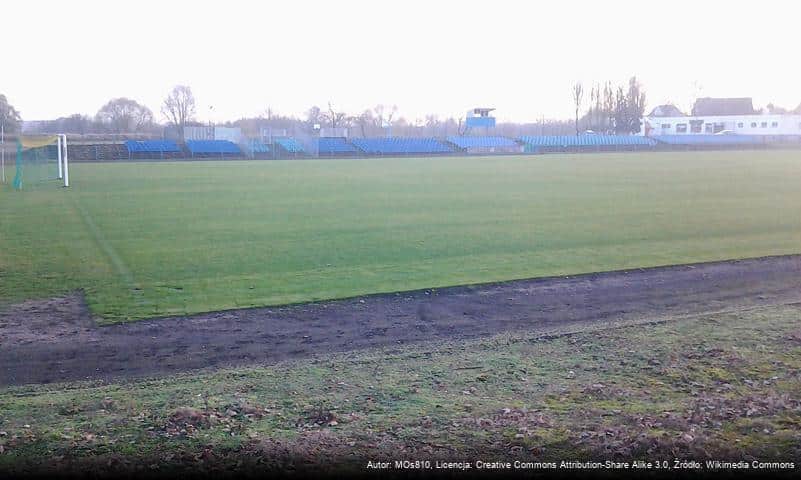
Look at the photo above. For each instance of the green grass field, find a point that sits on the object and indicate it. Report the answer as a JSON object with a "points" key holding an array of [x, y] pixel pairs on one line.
{"points": [[720, 386], [149, 239]]}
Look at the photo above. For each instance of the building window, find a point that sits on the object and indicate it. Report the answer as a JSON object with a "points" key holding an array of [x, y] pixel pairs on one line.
{"points": [[709, 128], [696, 126], [774, 125], [753, 124], [682, 127], [740, 125], [764, 125], [665, 126]]}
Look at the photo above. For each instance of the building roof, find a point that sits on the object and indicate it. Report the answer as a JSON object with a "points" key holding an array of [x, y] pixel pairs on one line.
{"points": [[667, 110], [723, 106], [480, 111]]}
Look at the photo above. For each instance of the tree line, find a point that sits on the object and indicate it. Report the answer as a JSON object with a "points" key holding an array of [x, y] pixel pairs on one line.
{"points": [[612, 109], [606, 108], [117, 116]]}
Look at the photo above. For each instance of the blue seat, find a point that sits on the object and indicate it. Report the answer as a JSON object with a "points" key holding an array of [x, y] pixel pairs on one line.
{"points": [[401, 145], [290, 145], [259, 147], [334, 145], [152, 146], [586, 141], [206, 147], [482, 142]]}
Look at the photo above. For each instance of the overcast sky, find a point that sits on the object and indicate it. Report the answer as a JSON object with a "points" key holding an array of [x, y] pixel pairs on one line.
{"points": [[431, 56]]}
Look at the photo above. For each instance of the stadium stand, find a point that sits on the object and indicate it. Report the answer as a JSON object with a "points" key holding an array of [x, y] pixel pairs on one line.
{"points": [[485, 144], [400, 146], [153, 149], [256, 149], [293, 147], [259, 147], [99, 152], [466, 142], [289, 145], [213, 148], [565, 143], [335, 146]]}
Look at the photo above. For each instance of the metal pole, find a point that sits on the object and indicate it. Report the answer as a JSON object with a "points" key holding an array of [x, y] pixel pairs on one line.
{"points": [[60, 169], [66, 163], [3, 147]]}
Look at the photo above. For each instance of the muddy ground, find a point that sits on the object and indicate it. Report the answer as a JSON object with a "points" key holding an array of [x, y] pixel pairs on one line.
{"points": [[56, 340]]}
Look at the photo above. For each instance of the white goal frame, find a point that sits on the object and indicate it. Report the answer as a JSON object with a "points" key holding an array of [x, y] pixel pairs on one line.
{"points": [[63, 158], [63, 163]]}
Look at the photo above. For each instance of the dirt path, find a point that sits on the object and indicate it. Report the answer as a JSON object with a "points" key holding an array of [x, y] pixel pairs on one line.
{"points": [[55, 340]]}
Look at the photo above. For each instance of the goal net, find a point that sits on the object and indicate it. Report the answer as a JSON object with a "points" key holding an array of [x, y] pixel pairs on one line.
{"points": [[40, 160]]}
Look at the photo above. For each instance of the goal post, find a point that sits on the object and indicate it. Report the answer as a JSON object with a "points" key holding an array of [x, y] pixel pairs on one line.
{"points": [[41, 159]]}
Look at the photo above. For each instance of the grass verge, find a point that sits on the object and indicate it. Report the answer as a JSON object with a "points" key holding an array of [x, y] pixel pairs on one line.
{"points": [[723, 386]]}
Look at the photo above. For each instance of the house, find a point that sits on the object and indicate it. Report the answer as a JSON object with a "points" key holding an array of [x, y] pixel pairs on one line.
{"points": [[720, 115]]}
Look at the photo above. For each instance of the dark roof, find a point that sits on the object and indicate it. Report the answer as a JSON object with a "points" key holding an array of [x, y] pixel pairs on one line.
{"points": [[723, 106], [667, 110]]}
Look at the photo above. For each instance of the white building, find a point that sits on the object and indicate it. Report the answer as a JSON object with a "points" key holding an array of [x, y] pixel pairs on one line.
{"points": [[716, 115], [770, 124], [232, 134]]}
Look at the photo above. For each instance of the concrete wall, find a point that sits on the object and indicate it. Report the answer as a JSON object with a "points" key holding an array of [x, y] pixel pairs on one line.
{"points": [[740, 124]]}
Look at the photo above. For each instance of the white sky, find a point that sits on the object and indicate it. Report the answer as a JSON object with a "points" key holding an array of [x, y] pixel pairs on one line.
{"points": [[430, 56]]}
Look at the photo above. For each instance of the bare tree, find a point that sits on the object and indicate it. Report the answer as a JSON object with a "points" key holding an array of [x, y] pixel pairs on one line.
{"points": [[75, 123], [179, 107], [775, 109], [365, 121], [334, 118], [123, 115], [384, 115], [432, 123], [578, 95], [635, 103], [313, 116], [9, 116], [461, 129]]}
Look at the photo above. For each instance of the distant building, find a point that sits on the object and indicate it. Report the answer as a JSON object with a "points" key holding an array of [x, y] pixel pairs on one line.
{"points": [[232, 134], [667, 110], [33, 126], [719, 115], [723, 106], [330, 132]]}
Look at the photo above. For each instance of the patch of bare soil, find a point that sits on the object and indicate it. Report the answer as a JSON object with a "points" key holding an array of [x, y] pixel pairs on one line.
{"points": [[55, 340]]}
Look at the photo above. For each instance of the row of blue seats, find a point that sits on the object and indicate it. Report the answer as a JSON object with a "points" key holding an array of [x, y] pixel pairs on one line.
{"points": [[333, 145], [565, 141], [151, 146], [401, 145], [212, 146], [256, 146], [404, 145], [482, 142], [290, 145]]}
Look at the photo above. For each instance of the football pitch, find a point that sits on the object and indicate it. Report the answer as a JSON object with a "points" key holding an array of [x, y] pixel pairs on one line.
{"points": [[153, 239]]}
